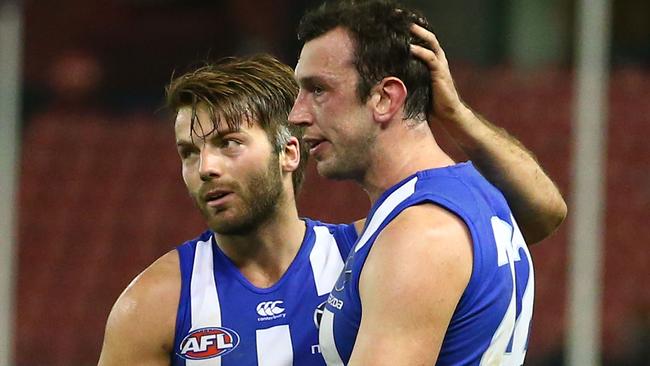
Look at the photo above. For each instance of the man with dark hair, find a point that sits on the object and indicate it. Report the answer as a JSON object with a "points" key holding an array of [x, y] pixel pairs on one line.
{"points": [[440, 273], [251, 289], [381, 49]]}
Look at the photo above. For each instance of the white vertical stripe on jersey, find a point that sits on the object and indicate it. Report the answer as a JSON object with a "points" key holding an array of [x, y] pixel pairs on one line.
{"points": [[274, 346], [326, 340], [386, 207], [206, 311], [326, 261]]}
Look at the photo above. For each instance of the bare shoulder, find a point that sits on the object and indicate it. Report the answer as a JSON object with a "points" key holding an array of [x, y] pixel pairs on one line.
{"points": [[422, 241], [427, 227], [140, 327], [160, 281], [414, 276]]}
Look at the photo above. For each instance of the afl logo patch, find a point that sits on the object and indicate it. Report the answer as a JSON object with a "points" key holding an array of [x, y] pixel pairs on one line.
{"points": [[205, 343]]}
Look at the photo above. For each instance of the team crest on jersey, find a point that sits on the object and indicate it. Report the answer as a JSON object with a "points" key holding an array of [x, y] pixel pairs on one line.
{"points": [[205, 343]]}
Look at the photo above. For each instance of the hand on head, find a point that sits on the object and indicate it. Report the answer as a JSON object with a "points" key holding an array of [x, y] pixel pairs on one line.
{"points": [[446, 101]]}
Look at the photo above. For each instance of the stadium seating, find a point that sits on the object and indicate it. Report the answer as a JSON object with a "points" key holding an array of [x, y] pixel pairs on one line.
{"points": [[102, 198]]}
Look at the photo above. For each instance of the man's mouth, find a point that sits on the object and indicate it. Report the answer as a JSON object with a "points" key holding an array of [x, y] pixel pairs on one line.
{"points": [[217, 197], [315, 144]]}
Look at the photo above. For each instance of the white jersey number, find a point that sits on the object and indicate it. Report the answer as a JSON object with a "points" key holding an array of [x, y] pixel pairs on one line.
{"points": [[510, 244]]}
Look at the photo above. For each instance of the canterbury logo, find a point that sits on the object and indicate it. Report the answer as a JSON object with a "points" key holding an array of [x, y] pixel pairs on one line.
{"points": [[270, 308]]}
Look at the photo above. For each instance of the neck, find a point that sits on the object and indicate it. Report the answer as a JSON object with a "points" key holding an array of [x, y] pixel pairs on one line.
{"points": [[264, 253], [401, 150]]}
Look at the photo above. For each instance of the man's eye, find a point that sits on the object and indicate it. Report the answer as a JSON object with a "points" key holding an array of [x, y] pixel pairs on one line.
{"points": [[186, 152], [230, 144], [318, 90]]}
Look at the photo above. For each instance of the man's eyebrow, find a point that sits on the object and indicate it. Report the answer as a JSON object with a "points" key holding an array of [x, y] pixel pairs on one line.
{"points": [[306, 80], [220, 134], [312, 80], [183, 142]]}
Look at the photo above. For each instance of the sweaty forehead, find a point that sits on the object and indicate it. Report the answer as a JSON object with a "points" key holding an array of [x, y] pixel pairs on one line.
{"points": [[329, 55]]}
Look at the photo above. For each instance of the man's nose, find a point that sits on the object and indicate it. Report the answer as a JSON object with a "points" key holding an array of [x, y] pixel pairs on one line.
{"points": [[300, 114], [210, 164]]}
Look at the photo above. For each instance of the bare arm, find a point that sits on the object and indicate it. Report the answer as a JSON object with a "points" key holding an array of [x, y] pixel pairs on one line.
{"points": [[534, 199], [410, 286], [140, 327]]}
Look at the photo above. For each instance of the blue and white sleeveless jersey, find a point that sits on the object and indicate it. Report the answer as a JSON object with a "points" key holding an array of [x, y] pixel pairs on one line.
{"points": [[491, 322], [224, 320]]}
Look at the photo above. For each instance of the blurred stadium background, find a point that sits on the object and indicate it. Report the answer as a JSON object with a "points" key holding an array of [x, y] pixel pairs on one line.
{"points": [[91, 190]]}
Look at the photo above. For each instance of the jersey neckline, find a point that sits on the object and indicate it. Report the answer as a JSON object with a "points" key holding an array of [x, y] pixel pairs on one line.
{"points": [[221, 259], [427, 173]]}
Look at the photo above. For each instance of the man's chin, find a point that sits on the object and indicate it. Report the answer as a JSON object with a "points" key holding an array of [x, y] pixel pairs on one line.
{"points": [[332, 171], [230, 228], [230, 223]]}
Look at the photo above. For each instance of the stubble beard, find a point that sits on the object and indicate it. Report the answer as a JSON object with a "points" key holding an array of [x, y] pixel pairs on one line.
{"points": [[350, 164], [258, 200]]}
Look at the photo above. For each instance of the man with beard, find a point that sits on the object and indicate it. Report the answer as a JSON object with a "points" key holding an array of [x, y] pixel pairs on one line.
{"points": [[249, 290], [440, 273]]}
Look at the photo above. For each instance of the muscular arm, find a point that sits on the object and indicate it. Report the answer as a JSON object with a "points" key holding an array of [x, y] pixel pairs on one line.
{"points": [[534, 199], [140, 327], [410, 286]]}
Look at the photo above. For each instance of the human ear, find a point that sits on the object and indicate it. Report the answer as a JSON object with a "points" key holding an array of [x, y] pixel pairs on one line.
{"points": [[290, 156], [387, 99]]}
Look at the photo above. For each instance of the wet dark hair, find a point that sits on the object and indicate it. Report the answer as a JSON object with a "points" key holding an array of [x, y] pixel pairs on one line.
{"points": [[380, 30], [235, 90]]}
